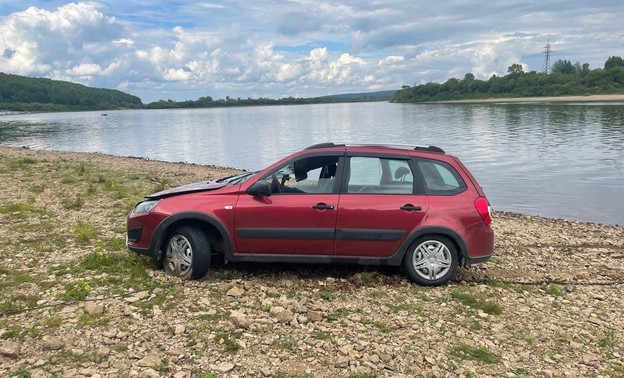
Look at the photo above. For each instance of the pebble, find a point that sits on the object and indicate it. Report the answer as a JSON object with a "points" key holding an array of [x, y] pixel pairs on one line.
{"points": [[224, 367], [93, 308], [10, 349], [285, 316], [150, 360], [53, 343], [235, 292]]}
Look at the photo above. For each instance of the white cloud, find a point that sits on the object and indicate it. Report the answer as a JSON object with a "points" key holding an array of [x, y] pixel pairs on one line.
{"points": [[124, 41], [85, 69], [391, 59], [177, 74]]}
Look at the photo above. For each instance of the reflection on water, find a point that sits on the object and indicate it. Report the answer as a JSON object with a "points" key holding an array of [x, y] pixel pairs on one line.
{"points": [[551, 159]]}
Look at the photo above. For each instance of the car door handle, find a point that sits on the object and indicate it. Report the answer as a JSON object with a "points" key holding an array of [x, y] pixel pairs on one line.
{"points": [[323, 206], [410, 207]]}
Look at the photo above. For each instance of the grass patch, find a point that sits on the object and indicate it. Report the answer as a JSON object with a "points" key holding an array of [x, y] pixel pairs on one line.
{"points": [[53, 322], [37, 189], [67, 356], [68, 180], [464, 351], [87, 320], [290, 343], [75, 291], [326, 294], [220, 314], [320, 335], [369, 278], [554, 290], [336, 314], [18, 302], [75, 203], [607, 340], [207, 375], [21, 372], [21, 207], [506, 286], [15, 278], [84, 232], [163, 365], [11, 332], [229, 340], [21, 163], [120, 347], [381, 327], [474, 301]]}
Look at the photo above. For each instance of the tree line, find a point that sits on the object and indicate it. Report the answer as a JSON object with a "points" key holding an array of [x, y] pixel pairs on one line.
{"points": [[19, 93], [38, 94], [565, 79], [208, 102]]}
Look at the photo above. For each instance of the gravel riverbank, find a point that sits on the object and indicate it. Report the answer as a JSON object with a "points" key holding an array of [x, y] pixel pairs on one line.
{"points": [[549, 303]]}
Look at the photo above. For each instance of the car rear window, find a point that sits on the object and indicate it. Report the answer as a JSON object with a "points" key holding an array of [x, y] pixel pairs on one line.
{"points": [[373, 175], [440, 178]]}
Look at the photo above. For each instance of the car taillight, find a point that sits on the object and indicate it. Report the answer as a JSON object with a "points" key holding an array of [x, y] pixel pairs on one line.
{"points": [[484, 209]]}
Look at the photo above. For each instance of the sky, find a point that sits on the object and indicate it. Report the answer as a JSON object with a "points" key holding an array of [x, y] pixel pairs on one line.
{"points": [[183, 50]]}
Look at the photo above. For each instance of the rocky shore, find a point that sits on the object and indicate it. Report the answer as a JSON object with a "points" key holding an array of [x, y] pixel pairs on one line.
{"points": [[75, 303]]}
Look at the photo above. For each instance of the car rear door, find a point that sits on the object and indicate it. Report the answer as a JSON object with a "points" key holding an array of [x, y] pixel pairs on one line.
{"points": [[379, 205]]}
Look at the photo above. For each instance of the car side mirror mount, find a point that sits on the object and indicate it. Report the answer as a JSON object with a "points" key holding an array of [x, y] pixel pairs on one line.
{"points": [[259, 189]]}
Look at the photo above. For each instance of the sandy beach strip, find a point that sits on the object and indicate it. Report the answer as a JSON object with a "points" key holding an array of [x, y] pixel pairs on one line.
{"points": [[590, 98]]}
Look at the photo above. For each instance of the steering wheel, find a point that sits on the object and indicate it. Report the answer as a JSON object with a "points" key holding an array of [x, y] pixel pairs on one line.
{"points": [[275, 184], [367, 189]]}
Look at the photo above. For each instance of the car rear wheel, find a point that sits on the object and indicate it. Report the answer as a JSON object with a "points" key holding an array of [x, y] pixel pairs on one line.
{"points": [[431, 260], [187, 253]]}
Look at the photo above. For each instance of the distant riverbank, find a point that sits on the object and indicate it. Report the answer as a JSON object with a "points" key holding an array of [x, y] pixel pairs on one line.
{"points": [[590, 98]]}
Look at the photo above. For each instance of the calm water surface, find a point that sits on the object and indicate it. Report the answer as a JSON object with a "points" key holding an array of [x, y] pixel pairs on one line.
{"points": [[557, 160]]}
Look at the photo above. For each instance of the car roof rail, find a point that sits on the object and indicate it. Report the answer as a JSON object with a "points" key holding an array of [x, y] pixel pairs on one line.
{"points": [[391, 145], [323, 145], [429, 148]]}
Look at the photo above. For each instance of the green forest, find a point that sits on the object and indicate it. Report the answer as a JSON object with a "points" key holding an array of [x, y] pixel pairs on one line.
{"points": [[21, 93], [564, 79]]}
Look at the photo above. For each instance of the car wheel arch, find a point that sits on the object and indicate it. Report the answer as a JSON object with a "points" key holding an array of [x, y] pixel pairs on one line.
{"points": [[211, 226], [455, 238]]}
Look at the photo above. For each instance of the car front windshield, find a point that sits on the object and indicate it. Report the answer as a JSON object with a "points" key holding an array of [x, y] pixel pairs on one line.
{"points": [[237, 179]]}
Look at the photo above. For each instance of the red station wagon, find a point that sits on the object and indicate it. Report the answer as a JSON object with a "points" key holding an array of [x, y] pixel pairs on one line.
{"points": [[330, 203]]}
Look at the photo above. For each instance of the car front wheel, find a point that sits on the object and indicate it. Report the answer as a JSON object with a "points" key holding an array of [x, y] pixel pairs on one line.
{"points": [[187, 253], [431, 260]]}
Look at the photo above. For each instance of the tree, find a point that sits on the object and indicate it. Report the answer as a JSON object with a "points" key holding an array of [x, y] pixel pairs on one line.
{"points": [[515, 70], [613, 61], [564, 67], [469, 77]]}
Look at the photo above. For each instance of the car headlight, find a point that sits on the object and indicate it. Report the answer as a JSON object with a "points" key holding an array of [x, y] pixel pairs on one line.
{"points": [[145, 207]]}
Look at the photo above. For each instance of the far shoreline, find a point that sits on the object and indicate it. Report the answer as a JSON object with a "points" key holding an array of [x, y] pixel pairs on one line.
{"points": [[589, 98]]}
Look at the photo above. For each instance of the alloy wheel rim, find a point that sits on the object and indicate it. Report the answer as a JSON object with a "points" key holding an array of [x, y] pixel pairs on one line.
{"points": [[432, 260], [179, 255]]}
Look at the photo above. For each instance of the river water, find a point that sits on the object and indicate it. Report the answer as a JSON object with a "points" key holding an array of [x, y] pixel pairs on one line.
{"points": [[551, 159]]}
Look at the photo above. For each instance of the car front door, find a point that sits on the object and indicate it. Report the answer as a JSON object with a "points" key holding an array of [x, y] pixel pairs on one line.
{"points": [[299, 216], [379, 206]]}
